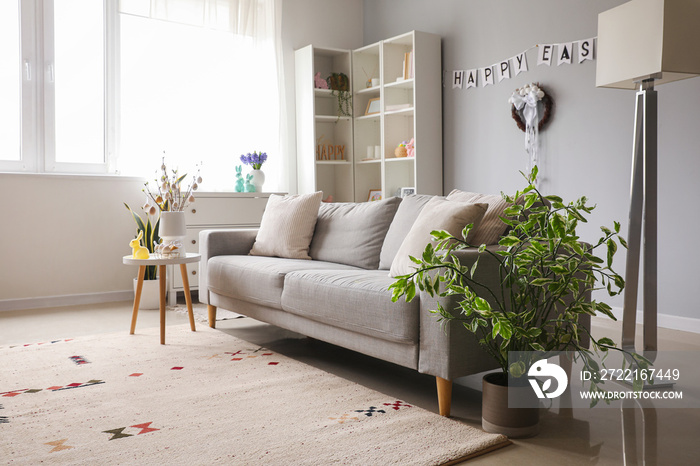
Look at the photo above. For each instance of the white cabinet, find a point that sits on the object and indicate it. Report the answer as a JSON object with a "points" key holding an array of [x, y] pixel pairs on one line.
{"points": [[397, 96], [215, 211], [324, 131]]}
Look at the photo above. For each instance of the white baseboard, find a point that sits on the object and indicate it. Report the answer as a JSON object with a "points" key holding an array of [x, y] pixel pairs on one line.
{"points": [[686, 324], [65, 300]]}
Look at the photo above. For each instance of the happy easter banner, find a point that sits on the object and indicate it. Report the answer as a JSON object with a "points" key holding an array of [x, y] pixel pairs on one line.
{"points": [[563, 53]]}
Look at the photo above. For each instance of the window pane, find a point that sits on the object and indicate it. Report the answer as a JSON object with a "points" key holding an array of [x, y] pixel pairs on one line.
{"points": [[10, 72], [196, 93], [79, 77]]}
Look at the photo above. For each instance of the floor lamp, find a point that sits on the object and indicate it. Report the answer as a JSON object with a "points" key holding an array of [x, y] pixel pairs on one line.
{"points": [[641, 44]]}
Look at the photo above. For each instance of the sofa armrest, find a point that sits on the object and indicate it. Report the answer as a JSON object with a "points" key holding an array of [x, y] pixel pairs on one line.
{"points": [[228, 242], [449, 350]]}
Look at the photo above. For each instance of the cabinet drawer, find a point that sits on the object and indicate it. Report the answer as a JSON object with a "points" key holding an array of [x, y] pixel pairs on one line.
{"points": [[225, 211], [191, 243]]}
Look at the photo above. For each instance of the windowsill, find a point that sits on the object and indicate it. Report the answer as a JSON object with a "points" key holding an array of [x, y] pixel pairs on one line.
{"points": [[76, 176]]}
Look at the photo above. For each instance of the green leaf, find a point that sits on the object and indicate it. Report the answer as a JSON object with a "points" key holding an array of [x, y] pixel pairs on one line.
{"points": [[410, 291], [508, 241]]}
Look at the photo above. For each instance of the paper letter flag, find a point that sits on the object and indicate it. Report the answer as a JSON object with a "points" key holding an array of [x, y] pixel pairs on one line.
{"points": [[486, 76], [544, 54], [503, 70], [565, 52], [470, 79], [585, 50], [520, 63], [457, 79]]}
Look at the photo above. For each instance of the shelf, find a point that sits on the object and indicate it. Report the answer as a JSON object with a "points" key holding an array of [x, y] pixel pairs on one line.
{"points": [[398, 159], [369, 90], [333, 162], [370, 161], [332, 118], [322, 92], [374, 116], [404, 111], [405, 84]]}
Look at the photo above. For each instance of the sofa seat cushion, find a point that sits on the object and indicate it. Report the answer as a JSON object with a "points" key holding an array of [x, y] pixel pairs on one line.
{"points": [[257, 279], [356, 300]]}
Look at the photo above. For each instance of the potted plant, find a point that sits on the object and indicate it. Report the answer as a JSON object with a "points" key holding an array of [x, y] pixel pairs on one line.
{"points": [[149, 230], [339, 83], [546, 277], [257, 176]]}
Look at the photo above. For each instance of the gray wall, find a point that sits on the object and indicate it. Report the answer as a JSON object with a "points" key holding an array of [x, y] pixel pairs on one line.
{"points": [[587, 147]]}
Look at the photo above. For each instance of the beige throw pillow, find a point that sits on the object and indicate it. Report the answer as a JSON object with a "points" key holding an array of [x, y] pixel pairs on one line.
{"points": [[491, 227], [438, 214], [287, 226]]}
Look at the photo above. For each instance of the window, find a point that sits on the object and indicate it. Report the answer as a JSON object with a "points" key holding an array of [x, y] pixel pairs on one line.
{"points": [[9, 82], [199, 94], [124, 81]]}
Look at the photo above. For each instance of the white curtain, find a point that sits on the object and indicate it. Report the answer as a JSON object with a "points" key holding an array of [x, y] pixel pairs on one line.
{"points": [[257, 25], [254, 18]]}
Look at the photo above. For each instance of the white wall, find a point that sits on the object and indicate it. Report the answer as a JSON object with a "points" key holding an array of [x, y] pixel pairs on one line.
{"points": [[327, 23], [65, 236], [586, 150]]}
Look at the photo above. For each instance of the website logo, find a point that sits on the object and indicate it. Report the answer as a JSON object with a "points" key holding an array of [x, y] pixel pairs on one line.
{"points": [[544, 369]]}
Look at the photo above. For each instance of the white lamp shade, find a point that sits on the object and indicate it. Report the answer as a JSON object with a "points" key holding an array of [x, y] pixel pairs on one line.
{"points": [[642, 38]]}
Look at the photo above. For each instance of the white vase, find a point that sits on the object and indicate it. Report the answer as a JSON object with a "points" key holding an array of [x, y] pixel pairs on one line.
{"points": [[150, 294], [173, 230], [258, 180]]}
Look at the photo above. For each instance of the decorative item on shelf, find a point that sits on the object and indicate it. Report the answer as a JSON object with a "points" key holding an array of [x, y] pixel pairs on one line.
{"points": [[138, 251], [527, 104], [319, 82], [400, 150], [256, 160], [373, 106], [240, 182], [403, 192], [539, 303], [330, 152], [370, 81], [250, 184], [411, 148], [339, 84], [374, 195]]}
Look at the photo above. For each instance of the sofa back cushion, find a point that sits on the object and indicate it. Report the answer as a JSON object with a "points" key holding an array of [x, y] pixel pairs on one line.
{"points": [[491, 227], [287, 226], [438, 214], [407, 213], [352, 234]]}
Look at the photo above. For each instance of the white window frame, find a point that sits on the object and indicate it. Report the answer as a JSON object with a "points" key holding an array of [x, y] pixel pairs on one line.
{"points": [[37, 144]]}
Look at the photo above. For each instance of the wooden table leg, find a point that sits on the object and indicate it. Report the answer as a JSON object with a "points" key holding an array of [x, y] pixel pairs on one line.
{"points": [[188, 297], [161, 279], [137, 297]]}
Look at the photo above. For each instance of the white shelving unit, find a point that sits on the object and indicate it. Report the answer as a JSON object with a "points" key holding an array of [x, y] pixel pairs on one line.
{"points": [[319, 123], [410, 106]]}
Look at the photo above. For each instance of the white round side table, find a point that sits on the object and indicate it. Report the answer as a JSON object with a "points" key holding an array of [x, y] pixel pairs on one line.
{"points": [[162, 263]]}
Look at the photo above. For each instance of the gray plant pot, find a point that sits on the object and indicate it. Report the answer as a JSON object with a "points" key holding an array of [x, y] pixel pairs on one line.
{"points": [[497, 417]]}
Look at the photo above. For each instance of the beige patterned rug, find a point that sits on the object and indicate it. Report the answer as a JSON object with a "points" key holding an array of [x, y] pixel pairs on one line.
{"points": [[205, 398]]}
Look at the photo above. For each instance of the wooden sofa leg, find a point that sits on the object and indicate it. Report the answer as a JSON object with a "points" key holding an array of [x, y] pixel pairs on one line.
{"points": [[444, 389], [211, 310]]}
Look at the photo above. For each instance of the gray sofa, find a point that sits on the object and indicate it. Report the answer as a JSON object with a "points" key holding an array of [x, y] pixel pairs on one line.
{"points": [[342, 296]]}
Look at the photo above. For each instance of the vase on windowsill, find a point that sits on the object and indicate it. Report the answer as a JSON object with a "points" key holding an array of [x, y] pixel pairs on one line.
{"points": [[258, 180]]}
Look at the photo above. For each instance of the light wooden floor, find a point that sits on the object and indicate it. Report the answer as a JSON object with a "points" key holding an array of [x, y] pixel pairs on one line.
{"points": [[584, 437]]}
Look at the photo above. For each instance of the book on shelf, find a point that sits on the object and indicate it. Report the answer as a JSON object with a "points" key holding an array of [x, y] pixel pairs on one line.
{"points": [[408, 66]]}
